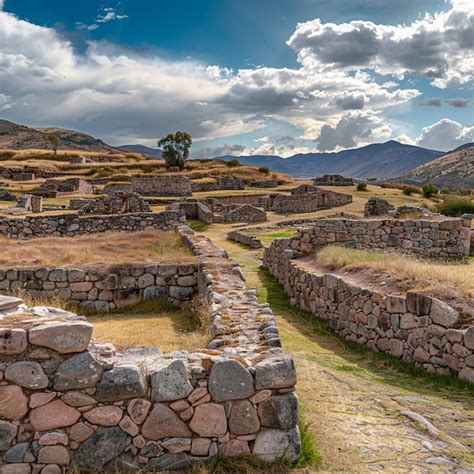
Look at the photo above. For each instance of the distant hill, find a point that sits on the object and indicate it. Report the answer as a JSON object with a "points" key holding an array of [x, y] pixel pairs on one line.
{"points": [[379, 160], [454, 170], [20, 137], [142, 149]]}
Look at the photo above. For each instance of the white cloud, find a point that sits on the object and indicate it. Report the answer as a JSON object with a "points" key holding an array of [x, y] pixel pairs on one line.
{"points": [[438, 46], [445, 135], [107, 14]]}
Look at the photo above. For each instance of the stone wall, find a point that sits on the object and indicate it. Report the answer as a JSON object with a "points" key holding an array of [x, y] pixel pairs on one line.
{"points": [[417, 328], [243, 238], [103, 287], [114, 188], [166, 185], [117, 203], [332, 180], [52, 188], [302, 203], [442, 237], [72, 402], [70, 225], [376, 206], [269, 183]]}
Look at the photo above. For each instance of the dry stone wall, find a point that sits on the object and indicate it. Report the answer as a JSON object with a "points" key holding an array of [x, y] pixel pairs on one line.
{"points": [[243, 238], [70, 225], [166, 185], [71, 402]]}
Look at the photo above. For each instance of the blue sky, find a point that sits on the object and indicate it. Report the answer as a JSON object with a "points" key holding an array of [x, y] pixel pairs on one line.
{"points": [[243, 76]]}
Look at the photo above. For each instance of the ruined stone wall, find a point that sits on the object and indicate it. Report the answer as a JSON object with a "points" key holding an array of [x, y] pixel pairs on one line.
{"points": [[166, 185], [443, 237], [71, 402], [269, 183], [282, 204], [243, 238], [103, 287], [417, 328], [55, 187], [112, 188], [118, 203], [333, 180], [70, 225]]}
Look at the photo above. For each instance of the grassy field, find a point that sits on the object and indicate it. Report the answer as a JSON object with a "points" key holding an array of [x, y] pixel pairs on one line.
{"points": [[114, 247]]}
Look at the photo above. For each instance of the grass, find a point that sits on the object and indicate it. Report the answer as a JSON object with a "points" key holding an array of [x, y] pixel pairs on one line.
{"points": [[152, 323], [148, 246], [197, 226], [425, 274]]}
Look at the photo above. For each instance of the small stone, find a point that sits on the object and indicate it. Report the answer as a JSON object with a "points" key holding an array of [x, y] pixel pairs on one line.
{"points": [[55, 414], [14, 403], [121, 383], [197, 394], [169, 381], [80, 432], [13, 341], [27, 374], [7, 434], [17, 468], [64, 338], [78, 399], [243, 418], [275, 372], [260, 396], [396, 347], [396, 304], [129, 426], [16, 453], [467, 374], [272, 444], [469, 338], [138, 410], [230, 380], [200, 446], [187, 414], [180, 405], [177, 445], [209, 420], [51, 469], [104, 416], [40, 399], [54, 455], [280, 411], [79, 371], [49, 439], [164, 423], [235, 447]]}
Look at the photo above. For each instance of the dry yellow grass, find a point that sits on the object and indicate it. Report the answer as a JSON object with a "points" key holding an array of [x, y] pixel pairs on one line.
{"points": [[114, 247], [166, 327]]}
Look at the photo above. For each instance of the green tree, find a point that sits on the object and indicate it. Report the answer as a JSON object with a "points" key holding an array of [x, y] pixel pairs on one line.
{"points": [[429, 190], [175, 148], [54, 140]]}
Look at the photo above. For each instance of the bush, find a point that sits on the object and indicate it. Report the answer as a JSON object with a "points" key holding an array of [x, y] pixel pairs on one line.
{"points": [[264, 170], [409, 190], [362, 187], [456, 207], [233, 163], [429, 190]]}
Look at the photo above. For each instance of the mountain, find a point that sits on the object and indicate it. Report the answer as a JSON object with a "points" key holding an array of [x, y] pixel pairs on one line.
{"points": [[379, 160], [142, 149], [454, 170], [20, 137]]}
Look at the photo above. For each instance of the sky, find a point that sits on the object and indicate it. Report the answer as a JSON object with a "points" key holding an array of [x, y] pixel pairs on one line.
{"points": [[243, 77]]}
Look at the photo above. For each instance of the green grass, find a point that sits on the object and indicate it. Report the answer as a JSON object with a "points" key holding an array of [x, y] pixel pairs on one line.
{"points": [[378, 366], [309, 455], [284, 234], [197, 226]]}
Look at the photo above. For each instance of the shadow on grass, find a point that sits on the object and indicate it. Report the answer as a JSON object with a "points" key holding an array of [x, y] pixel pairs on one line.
{"points": [[379, 366]]}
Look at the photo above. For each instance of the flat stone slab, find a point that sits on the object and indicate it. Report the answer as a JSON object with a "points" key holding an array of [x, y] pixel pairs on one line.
{"points": [[9, 302]]}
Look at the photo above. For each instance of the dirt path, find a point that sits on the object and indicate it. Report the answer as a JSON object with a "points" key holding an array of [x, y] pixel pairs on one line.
{"points": [[365, 415]]}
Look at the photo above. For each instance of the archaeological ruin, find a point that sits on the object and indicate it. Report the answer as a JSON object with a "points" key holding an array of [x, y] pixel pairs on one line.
{"points": [[165, 185], [333, 180]]}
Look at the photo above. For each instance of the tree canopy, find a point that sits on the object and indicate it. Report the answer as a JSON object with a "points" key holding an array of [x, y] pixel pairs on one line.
{"points": [[175, 148]]}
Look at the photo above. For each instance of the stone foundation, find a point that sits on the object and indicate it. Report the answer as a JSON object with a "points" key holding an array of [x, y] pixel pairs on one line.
{"points": [[242, 238], [166, 185], [333, 180], [52, 188], [117, 203]]}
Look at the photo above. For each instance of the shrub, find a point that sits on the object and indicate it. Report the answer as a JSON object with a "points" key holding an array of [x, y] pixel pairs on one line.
{"points": [[233, 163], [362, 187], [264, 170], [409, 190], [429, 190], [456, 207]]}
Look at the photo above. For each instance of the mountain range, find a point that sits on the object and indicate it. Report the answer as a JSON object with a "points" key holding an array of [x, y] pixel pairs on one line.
{"points": [[379, 160]]}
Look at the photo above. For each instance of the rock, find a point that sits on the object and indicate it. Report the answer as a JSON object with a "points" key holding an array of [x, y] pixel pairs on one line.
{"points": [[163, 422], [396, 347], [279, 411], [51, 469], [396, 304], [108, 415], [129, 426], [421, 355], [235, 447], [13, 341], [80, 432], [408, 321], [55, 414], [272, 444], [14, 403], [200, 446], [209, 420], [49, 439], [443, 314], [27, 374], [418, 304], [260, 396], [40, 399], [54, 455], [230, 380], [99, 449], [79, 371], [469, 338], [17, 468], [243, 418], [65, 338], [467, 374], [16, 453], [138, 410], [275, 372], [78, 399], [177, 445], [121, 383], [7, 434], [169, 381], [171, 462]]}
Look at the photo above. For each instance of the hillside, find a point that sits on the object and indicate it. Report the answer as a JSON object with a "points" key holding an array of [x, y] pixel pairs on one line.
{"points": [[456, 169], [379, 160], [141, 149], [20, 137]]}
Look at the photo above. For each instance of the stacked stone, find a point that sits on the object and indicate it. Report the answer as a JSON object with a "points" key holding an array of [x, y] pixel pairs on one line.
{"points": [[243, 238], [117, 203], [268, 183], [164, 185], [415, 327], [333, 180], [106, 287], [437, 237], [376, 206], [71, 225]]}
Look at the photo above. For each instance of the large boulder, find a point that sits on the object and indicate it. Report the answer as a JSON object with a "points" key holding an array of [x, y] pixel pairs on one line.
{"points": [[272, 444], [27, 374], [275, 372], [121, 383], [163, 422], [62, 337], [230, 380], [280, 411], [169, 381], [79, 371]]}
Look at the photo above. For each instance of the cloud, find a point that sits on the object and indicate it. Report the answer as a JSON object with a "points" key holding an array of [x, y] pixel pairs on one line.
{"points": [[438, 46], [211, 152], [435, 102], [445, 135], [106, 15]]}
